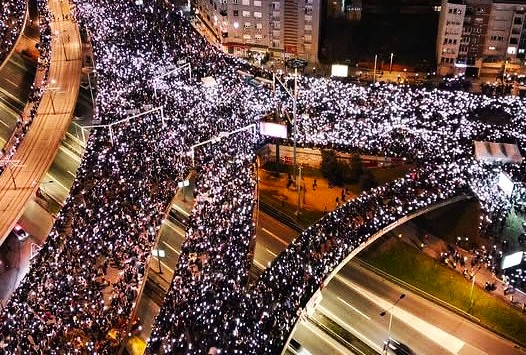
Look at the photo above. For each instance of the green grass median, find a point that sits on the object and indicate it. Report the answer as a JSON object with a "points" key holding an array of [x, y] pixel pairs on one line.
{"points": [[423, 272]]}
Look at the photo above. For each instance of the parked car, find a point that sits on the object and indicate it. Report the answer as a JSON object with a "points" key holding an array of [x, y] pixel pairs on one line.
{"points": [[20, 232], [393, 346]]}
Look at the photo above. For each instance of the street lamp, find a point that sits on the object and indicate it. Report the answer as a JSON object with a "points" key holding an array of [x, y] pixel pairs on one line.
{"points": [[383, 313], [44, 183], [391, 62], [374, 70], [293, 63], [182, 185], [53, 90], [159, 253], [58, 35]]}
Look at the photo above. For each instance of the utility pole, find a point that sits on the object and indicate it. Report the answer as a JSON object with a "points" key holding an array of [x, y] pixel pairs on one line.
{"points": [[298, 184]]}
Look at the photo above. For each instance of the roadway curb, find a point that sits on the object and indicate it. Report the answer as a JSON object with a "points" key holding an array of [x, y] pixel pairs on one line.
{"points": [[436, 300], [416, 290], [343, 341]]}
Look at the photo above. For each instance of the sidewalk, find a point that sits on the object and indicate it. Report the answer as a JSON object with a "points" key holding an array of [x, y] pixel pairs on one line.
{"points": [[319, 198], [462, 261]]}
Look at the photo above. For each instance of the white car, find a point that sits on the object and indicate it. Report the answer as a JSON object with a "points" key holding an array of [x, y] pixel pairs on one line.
{"points": [[20, 232]]}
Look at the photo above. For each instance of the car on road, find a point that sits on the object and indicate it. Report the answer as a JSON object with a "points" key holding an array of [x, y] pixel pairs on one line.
{"points": [[20, 232], [297, 348], [393, 346]]}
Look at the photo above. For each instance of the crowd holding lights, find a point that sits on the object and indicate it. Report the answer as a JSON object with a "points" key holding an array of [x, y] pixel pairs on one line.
{"points": [[213, 267], [84, 283], [12, 16]]}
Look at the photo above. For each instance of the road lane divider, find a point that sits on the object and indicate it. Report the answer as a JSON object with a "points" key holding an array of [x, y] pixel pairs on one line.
{"points": [[353, 308], [327, 313], [275, 236], [435, 334], [171, 248], [271, 252]]}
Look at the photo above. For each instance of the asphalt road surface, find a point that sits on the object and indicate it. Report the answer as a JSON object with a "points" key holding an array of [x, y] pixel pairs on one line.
{"points": [[17, 74], [19, 183], [353, 300]]}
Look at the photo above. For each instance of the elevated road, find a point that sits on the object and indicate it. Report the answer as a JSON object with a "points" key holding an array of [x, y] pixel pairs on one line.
{"points": [[21, 178]]}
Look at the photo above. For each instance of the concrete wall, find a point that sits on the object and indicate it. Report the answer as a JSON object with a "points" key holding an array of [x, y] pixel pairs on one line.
{"points": [[312, 157]]}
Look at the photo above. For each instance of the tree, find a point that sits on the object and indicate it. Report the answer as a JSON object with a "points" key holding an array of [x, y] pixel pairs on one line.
{"points": [[331, 168]]}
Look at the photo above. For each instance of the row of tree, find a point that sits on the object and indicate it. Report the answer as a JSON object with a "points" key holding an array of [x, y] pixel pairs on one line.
{"points": [[340, 172]]}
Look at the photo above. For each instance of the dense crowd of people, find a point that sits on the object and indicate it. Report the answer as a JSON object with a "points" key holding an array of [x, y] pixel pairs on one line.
{"points": [[12, 16], [286, 286], [83, 285], [213, 266]]}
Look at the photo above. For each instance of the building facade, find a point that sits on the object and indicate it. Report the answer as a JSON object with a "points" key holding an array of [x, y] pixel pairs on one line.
{"points": [[481, 37], [281, 28]]}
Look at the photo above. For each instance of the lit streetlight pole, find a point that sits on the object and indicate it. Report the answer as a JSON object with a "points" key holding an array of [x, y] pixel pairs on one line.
{"points": [[391, 63], [390, 310], [58, 35], [182, 185], [52, 92], [43, 185], [374, 70], [299, 191], [295, 64], [159, 253]]}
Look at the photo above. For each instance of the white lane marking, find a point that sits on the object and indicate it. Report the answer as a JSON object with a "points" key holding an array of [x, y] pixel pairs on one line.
{"points": [[163, 264], [5, 124], [260, 265], [171, 248], [327, 339], [180, 210], [275, 236], [10, 95], [354, 308], [70, 173], [11, 82], [271, 252], [346, 326], [68, 152], [437, 335], [174, 228]]}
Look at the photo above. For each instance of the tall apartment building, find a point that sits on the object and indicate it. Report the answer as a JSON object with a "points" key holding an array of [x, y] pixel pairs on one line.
{"points": [[283, 28], [480, 35], [507, 30]]}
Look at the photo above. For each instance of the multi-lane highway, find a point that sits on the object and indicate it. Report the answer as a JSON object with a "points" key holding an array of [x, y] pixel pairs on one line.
{"points": [[357, 296], [353, 301]]}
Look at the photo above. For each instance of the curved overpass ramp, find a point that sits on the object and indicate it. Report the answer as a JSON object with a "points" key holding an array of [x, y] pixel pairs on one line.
{"points": [[35, 154], [316, 256]]}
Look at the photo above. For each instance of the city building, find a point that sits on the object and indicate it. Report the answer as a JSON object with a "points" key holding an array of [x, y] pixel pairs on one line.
{"points": [[281, 28], [481, 37], [353, 10]]}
